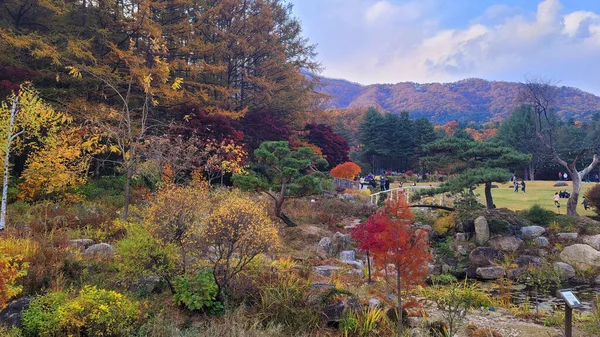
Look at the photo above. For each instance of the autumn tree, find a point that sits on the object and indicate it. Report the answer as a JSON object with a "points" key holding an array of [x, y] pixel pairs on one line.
{"points": [[470, 163], [282, 173], [397, 247], [333, 146], [238, 228], [541, 97], [347, 170]]}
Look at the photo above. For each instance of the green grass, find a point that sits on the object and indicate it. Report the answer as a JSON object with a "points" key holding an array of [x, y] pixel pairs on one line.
{"points": [[537, 192]]}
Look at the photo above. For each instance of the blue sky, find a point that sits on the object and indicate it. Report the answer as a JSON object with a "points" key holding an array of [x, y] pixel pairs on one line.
{"points": [[390, 41]]}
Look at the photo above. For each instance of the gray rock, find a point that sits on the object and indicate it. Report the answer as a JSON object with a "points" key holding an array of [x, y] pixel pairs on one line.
{"points": [[541, 242], [418, 332], [356, 264], [565, 270], [597, 280], [374, 303], [514, 273], [81, 243], [340, 242], [462, 250], [434, 269], [490, 273], [532, 232], [326, 270], [335, 312], [506, 243], [484, 256], [461, 237], [347, 255], [528, 260], [103, 249], [580, 256], [482, 230], [11, 315], [414, 322], [325, 245], [567, 236], [561, 184], [592, 240]]}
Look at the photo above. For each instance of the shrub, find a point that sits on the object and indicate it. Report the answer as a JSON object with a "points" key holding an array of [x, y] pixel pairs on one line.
{"points": [[91, 312], [197, 292], [443, 279], [12, 266], [347, 170], [593, 198], [443, 224], [539, 216], [499, 226]]}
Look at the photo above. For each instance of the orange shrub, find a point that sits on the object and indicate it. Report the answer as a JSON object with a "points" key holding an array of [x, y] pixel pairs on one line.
{"points": [[347, 170]]}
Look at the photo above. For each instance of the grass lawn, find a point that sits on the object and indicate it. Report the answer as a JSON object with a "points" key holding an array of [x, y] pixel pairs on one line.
{"points": [[537, 192]]}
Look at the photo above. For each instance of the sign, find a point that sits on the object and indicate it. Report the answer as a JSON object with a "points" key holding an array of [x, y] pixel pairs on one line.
{"points": [[570, 299]]}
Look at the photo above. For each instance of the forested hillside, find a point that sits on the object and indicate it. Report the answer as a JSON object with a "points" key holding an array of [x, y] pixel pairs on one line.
{"points": [[467, 100]]}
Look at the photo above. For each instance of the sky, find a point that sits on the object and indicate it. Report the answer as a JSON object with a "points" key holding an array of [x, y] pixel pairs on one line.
{"points": [[390, 41]]}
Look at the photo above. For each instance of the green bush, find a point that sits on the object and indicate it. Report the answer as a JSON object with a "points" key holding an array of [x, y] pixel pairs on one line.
{"points": [[443, 279], [90, 312], [499, 226], [197, 292], [593, 198], [539, 216]]}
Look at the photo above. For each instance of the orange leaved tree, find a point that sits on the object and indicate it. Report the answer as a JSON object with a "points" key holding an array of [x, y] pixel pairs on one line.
{"points": [[347, 170], [398, 248]]}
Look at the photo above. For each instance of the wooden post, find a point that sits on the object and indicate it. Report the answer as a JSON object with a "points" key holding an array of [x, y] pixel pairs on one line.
{"points": [[568, 321]]}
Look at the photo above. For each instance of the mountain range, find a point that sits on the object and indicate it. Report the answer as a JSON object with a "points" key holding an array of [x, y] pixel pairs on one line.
{"points": [[471, 99]]}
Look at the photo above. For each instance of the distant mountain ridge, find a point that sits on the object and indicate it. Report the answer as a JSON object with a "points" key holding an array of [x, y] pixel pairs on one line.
{"points": [[471, 99]]}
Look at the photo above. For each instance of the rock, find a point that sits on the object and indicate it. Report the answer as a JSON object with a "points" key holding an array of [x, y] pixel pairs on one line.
{"points": [[434, 269], [417, 332], [374, 303], [356, 264], [461, 237], [597, 280], [541, 242], [326, 270], [484, 256], [528, 260], [325, 245], [446, 268], [335, 312], [490, 273], [532, 232], [103, 249], [462, 250], [340, 242], [580, 256], [81, 243], [592, 240], [514, 273], [506, 243], [482, 230], [561, 184], [565, 270], [11, 315], [414, 322], [347, 255], [567, 236]]}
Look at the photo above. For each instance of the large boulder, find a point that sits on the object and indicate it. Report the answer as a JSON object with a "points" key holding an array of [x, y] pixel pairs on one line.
{"points": [[482, 230], [11, 315], [347, 255], [541, 242], [490, 273], [484, 256], [565, 270], [334, 313], [101, 249], [506, 243], [326, 270], [581, 256], [340, 242], [325, 246], [592, 240], [532, 232]]}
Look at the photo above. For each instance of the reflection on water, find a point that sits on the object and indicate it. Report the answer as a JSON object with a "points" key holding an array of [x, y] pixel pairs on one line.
{"points": [[547, 301]]}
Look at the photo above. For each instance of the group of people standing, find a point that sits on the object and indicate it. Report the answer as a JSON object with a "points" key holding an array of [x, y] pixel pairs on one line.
{"points": [[370, 180], [515, 181]]}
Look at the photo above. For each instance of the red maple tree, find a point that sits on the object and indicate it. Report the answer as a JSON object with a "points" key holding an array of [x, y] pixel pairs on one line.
{"points": [[347, 170]]}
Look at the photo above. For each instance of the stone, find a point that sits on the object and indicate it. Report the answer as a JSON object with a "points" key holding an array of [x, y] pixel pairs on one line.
{"points": [[482, 230], [325, 245], [484, 256], [81, 243], [103, 249], [567, 236], [462, 250], [11, 315], [490, 273], [414, 322], [347, 255], [592, 240], [514, 273], [418, 332], [532, 232], [597, 280], [356, 264], [528, 260], [340, 242], [561, 184], [326, 270], [461, 237], [541, 242], [581, 256], [334, 313], [565, 270], [507, 244], [374, 303], [434, 269]]}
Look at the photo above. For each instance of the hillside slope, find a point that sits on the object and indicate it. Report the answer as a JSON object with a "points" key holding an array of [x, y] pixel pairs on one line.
{"points": [[470, 99]]}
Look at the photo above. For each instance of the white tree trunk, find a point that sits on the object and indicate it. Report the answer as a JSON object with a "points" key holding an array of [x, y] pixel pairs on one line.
{"points": [[9, 138], [577, 178]]}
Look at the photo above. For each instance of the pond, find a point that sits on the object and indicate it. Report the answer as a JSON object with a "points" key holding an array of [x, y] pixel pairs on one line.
{"points": [[548, 301]]}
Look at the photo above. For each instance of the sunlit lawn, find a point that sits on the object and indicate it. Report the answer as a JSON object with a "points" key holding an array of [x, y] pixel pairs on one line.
{"points": [[537, 192]]}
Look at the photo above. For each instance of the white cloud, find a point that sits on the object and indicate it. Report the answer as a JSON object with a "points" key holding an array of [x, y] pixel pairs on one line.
{"points": [[395, 40]]}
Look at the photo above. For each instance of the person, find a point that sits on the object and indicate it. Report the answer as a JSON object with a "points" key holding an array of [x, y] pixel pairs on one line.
{"points": [[523, 186], [556, 203], [565, 176], [362, 183], [387, 183], [585, 204], [560, 176], [382, 183], [516, 183]]}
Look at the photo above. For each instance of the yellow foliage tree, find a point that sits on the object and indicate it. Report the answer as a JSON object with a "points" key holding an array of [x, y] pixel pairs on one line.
{"points": [[13, 253]]}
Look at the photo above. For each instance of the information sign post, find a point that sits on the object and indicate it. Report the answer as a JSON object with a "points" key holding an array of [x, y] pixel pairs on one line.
{"points": [[571, 302]]}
